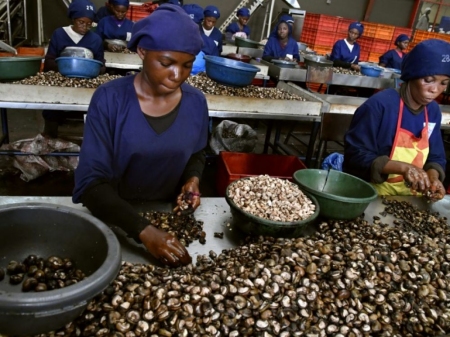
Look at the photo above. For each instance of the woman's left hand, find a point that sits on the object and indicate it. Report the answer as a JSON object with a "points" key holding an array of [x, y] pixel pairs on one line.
{"points": [[436, 191], [191, 187]]}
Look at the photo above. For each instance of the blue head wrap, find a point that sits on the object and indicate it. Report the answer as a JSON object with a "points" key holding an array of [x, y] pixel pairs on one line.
{"points": [[174, 2], [428, 58], [401, 38], [280, 22], [182, 35], [358, 26], [243, 12], [125, 3], [211, 11], [195, 12], [286, 18], [81, 9]]}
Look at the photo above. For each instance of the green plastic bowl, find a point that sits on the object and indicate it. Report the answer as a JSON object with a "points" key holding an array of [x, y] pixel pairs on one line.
{"points": [[253, 225], [247, 43], [19, 67], [340, 196]]}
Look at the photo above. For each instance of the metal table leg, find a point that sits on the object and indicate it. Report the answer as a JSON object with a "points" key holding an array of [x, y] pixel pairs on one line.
{"points": [[268, 134], [5, 130], [312, 142]]}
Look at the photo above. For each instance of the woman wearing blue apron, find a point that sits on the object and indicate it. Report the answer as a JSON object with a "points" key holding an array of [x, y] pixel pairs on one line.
{"points": [[394, 140]]}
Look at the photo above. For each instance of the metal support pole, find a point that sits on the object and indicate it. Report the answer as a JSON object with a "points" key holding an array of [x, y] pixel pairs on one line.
{"points": [[40, 23], [8, 13], [5, 131], [269, 29], [25, 18]]}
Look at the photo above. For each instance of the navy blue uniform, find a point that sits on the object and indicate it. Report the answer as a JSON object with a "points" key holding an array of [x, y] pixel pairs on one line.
{"points": [[101, 13], [274, 49], [341, 52], [110, 28], [216, 36], [234, 28], [391, 59]]}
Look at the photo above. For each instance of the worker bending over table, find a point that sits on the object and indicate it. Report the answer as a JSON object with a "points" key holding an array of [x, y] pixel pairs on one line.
{"points": [[211, 14], [283, 46], [239, 28], [346, 52], [394, 140], [393, 58], [145, 134]]}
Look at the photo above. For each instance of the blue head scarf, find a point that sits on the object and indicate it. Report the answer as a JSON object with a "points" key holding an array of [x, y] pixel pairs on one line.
{"points": [[211, 12], [401, 38], [81, 9], [280, 22], [243, 12], [286, 18], [174, 2], [428, 58], [182, 35], [358, 26], [195, 12], [125, 3]]}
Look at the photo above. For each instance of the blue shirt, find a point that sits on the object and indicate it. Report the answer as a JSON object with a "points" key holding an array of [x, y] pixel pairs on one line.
{"points": [[120, 147], [273, 48], [60, 40], [216, 36], [234, 28], [341, 52], [110, 28], [101, 13], [390, 59], [373, 128], [209, 46]]}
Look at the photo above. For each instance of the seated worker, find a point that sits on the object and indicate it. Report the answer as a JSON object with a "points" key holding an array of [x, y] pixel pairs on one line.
{"points": [[394, 57], [116, 26], [209, 47], [239, 28], [145, 134], [394, 140], [346, 52], [82, 14], [211, 14], [286, 18], [282, 47]]}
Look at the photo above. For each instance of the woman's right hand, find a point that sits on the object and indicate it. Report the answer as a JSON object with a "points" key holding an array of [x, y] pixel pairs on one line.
{"points": [[164, 247], [355, 67], [114, 48], [416, 178]]}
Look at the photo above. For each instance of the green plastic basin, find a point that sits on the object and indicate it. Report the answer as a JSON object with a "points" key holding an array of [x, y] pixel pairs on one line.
{"points": [[19, 67], [247, 43], [253, 225], [340, 195]]}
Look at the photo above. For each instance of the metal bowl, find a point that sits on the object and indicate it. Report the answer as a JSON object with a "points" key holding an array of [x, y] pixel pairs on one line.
{"points": [[117, 42], [340, 195], [284, 63], [17, 68], [241, 42], [239, 57], [80, 52], [302, 46], [46, 230], [230, 72], [253, 225], [317, 61], [78, 67]]}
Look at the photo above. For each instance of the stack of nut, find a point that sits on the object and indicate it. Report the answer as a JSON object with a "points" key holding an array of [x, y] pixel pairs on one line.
{"points": [[271, 198], [55, 79]]}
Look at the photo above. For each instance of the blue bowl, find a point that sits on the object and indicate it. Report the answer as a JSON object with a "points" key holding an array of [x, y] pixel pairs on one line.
{"points": [[78, 67], [230, 72], [371, 71]]}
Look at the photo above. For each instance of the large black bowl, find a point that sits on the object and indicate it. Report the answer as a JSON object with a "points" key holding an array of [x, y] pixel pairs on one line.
{"points": [[46, 230]]}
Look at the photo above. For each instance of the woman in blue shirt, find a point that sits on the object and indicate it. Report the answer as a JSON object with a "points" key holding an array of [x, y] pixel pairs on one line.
{"points": [[78, 34], [346, 52], [211, 14], [116, 26], [394, 57], [282, 47], [145, 134], [394, 140], [239, 28]]}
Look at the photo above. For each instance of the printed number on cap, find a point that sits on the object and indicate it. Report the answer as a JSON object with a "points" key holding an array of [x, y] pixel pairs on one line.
{"points": [[89, 8], [446, 58]]}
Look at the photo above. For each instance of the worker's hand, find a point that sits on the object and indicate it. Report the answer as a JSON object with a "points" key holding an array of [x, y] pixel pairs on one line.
{"points": [[192, 191], [355, 67], [164, 247], [417, 179], [436, 191], [114, 48]]}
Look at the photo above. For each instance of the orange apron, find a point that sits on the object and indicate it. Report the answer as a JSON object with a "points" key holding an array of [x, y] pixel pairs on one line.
{"points": [[409, 149]]}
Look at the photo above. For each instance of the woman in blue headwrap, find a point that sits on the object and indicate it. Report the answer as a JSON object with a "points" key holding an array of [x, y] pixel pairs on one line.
{"points": [[78, 34], [394, 140], [284, 18], [145, 134], [211, 14], [116, 26], [282, 47], [346, 52], [239, 28], [394, 57]]}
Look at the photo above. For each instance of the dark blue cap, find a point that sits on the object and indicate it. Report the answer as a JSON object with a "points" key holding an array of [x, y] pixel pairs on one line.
{"points": [[125, 3], [401, 38], [428, 58], [286, 18], [195, 12], [358, 26], [81, 9], [243, 12], [182, 34], [211, 11], [174, 2]]}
